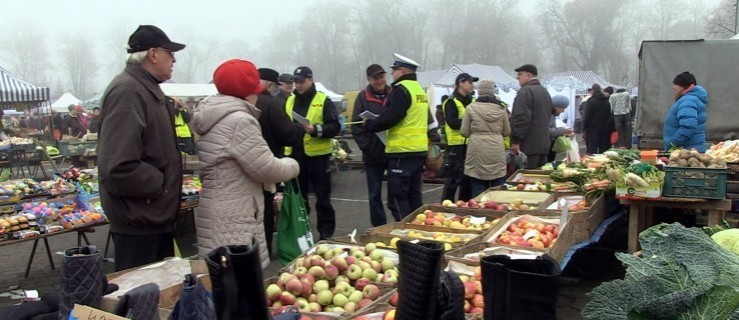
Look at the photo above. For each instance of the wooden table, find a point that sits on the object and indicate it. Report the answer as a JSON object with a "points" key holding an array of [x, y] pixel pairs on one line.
{"points": [[641, 212], [81, 235]]}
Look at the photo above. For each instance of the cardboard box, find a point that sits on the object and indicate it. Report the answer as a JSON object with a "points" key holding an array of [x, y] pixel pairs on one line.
{"points": [[556, 251], [654, 190], [169, 293], [586, 222], [470, 255], [81, 312]]}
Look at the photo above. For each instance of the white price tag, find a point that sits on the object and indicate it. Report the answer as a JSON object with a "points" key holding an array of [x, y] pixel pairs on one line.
{"points": [[477, 220], [530, 234]]}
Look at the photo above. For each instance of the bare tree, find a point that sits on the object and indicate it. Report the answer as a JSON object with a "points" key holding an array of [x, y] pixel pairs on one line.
{"points": [[78, 60], [721, 21], [26, 51]]}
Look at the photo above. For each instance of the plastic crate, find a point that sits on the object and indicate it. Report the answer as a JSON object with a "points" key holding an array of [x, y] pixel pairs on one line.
{"points": [[733, 168], [703, 183], [70, 149], [23, 147]]}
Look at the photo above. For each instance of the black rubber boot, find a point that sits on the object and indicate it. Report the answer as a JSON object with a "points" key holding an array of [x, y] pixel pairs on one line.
{"points": [[418, 283], [518, 289], [82, 279], [236, 277]]}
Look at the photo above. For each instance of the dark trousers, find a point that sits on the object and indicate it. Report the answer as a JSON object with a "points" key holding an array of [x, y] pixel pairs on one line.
{"points": [[137, 250], [455, 178], [269, 218], [315, 175], [535, 161], [478, 186], [404, 185], [374, 174], [598, 142], [623, 127]]}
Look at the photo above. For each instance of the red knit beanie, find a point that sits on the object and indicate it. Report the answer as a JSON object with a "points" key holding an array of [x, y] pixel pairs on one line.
{"points": [[238, 78]]}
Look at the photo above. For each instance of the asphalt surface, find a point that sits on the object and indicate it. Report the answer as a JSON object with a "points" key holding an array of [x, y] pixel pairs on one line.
{"points": [[349, 198]]}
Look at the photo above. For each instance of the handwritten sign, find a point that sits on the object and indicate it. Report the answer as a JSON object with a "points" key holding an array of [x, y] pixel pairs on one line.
{"points": [[81, 312]]}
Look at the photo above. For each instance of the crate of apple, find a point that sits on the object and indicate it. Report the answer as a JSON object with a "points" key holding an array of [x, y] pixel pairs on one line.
{"points": [[473, 303], [449, 220], [529, 234], [345, 283], [516, 204]]}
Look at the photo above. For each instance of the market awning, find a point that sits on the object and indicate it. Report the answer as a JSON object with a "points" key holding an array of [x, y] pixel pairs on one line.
{"points": [[15, 90]]}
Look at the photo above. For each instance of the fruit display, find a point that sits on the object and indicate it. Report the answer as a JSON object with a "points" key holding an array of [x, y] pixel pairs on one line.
{"points": [[450, 220], [573, 203], [335, 278], [75, 174], [471, 277], [191, 186], [725, 150], [451, 238], [515, 204], [695, 159], [58, 186], [63, 212], [19, 189], [527, 231]]}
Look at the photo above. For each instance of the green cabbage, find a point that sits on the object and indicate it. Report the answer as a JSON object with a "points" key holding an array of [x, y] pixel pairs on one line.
{"points": [[728, 239], [682, 274]]}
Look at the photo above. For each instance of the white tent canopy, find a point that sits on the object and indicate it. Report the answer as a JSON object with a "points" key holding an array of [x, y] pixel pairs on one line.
{"points": [[331, 95], [62, 104]]}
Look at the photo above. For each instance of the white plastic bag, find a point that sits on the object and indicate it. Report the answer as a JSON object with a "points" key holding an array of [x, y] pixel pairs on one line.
{"points": [[573, 155]]}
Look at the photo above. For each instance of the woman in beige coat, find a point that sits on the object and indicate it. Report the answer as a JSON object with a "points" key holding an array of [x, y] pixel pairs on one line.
{"points": [[485, 123], [235, 162]]}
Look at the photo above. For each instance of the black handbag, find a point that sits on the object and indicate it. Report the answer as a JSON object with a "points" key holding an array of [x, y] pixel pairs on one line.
{"points": [[195, 302]]}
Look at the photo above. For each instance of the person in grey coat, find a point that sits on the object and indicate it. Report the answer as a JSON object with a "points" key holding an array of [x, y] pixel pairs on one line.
{"points": [[530, 117]]}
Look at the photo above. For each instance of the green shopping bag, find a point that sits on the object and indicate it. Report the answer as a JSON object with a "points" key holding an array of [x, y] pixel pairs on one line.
{"points": [[293, 228], [561, 144]]}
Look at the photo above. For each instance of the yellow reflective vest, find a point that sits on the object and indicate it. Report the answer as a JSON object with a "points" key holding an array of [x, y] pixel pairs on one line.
{"points": [[311, 145], [410, 134], [180, 127], [453, 137]]}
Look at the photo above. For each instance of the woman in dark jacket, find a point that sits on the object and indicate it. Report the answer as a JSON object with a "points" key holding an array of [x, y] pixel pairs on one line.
{"points": [[598, 122]]}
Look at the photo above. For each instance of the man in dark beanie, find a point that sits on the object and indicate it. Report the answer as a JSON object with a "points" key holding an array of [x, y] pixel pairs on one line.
{"points": [[139, 165], [685, 124], [279, 132]]}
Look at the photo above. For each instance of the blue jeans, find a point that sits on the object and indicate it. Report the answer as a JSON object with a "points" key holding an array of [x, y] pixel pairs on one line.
{"points": [[478, 186], [374, 174]]}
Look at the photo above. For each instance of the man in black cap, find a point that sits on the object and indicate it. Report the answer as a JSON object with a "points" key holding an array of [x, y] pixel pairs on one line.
{"points": [[279, 132], [530, 118], [405, 118], [139, 165], [285, 82], [313, 153], [457, 144], [372, 99]]}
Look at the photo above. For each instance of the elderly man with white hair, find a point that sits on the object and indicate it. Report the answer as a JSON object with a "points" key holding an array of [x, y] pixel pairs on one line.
{"points": [[139, 165]]}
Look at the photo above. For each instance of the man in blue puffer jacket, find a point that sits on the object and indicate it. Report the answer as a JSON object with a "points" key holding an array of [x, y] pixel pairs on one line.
{"points": [[685, 125]]}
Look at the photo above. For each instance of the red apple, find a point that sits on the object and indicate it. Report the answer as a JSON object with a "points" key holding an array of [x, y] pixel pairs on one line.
{"points": [[371, 292], [295, 286], [478, 301], [393, 299], [469, 290], [490, 205], [361, 283]]}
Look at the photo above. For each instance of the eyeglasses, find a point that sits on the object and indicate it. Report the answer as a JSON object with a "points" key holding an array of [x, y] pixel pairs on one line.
{"points": [[166, 50]]}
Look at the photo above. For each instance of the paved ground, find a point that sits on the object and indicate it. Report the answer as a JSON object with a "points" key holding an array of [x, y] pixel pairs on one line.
{"points": [[349, 200]]}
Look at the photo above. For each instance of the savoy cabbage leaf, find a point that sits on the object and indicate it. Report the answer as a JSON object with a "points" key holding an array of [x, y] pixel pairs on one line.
{"points": [[681, 274]]}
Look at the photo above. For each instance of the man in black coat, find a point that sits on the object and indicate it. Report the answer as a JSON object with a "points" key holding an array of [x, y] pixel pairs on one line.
{"points": [[279, 132], [530, 118], [597, 122], [372, 99]]}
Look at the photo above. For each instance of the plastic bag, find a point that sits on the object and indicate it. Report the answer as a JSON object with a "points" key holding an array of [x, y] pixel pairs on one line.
{"points": [[514, 162], [573, 155], [293, 229], [561, 144], [434, 158]]}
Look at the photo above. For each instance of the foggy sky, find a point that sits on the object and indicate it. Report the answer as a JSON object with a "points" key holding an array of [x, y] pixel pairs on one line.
{"points": [[249, 21]]}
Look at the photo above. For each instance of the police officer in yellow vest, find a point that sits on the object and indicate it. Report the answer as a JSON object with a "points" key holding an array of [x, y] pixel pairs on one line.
{"points": [[457, 144], [182, 117], [405, 123], [313, 154]]}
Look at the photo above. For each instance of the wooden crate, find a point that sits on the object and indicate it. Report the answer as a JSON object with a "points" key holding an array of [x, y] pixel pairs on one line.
{"points": [[488, 215], [586, 222], [398, 230], [557, 251]]}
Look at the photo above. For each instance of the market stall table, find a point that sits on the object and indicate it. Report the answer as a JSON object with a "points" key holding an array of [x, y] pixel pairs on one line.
{"points": [[81, 235], [641, 212]]}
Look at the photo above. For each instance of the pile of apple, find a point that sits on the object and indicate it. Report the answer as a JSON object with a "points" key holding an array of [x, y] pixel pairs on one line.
{"points": [[333, 280], [517, 204], [438, 236], [527, 234], [430, 218], [528, 185], [474, 302]]}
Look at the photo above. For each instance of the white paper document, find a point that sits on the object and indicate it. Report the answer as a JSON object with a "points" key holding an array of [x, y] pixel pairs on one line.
{"points": [[300, 119], [366, 115]]}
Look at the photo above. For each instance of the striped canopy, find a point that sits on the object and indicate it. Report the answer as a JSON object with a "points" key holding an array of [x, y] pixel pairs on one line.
{"points": [[14, 90]]}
